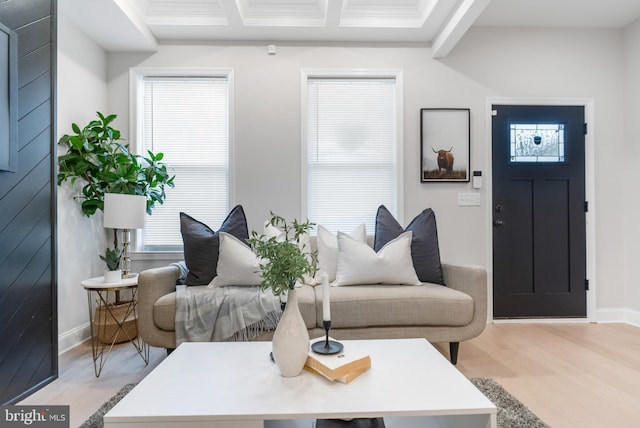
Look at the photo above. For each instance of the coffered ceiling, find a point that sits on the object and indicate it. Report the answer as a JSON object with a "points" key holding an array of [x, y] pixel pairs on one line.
{"points": [[139, 25]]}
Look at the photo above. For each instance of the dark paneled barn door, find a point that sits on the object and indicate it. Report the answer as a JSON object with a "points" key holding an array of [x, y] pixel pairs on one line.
{"points": [[28, 307]]}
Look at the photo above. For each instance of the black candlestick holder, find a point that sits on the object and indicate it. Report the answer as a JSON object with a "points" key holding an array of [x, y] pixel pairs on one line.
{"points": [[327, 346]]}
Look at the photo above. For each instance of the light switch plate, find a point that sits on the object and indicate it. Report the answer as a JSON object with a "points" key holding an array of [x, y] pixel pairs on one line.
{"points": [[468, 199]]}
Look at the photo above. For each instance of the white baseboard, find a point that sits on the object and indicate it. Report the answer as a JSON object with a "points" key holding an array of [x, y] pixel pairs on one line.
{"points": [[73, 337], [633, 317], [610, 315], [606, 315]]}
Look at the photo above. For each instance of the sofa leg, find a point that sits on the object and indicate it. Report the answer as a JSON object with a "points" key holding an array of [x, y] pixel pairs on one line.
{"points": [[170, 350], [453, 352]]}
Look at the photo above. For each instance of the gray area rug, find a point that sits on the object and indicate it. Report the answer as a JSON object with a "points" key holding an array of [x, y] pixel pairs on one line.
{"points": [[511, 412], [95, 420]]}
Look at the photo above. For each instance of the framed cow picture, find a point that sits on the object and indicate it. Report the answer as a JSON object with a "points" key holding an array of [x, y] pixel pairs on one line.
{"points": [[445, 135]]}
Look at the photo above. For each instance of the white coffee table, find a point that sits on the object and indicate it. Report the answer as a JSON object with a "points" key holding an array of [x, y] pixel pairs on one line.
{"points": [[235, 385]]}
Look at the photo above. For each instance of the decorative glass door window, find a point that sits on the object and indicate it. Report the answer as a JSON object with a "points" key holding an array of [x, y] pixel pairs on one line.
{"points": [[537, 143]]}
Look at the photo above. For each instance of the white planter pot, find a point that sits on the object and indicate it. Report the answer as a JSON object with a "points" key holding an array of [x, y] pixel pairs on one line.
{"points": [[290, 344], [111, 276]]}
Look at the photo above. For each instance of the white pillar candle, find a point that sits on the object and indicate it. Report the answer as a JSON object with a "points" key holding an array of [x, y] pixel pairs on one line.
{"points": [[326, 308]]}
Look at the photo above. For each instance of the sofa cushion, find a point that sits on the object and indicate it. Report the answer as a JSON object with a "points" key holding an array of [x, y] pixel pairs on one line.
{"points": [[164, 309], [424, 243], [237, 263], [201, 244], [327, 244], [358, 263], [396, 305]]}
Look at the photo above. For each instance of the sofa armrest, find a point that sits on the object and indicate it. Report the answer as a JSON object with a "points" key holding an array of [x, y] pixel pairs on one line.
{"points": [[153, 284], [471, 280]]}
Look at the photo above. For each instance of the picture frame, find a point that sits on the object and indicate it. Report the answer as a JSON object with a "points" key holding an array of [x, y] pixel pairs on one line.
{"points": [[445, 145], [8, 99]]}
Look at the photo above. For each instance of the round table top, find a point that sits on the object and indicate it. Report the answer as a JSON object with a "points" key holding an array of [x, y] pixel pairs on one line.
{"points": [[98, 283]]}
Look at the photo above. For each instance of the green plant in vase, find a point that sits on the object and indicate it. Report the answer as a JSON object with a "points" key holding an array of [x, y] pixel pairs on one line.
{"points": [[111, 258], [283, 263]]}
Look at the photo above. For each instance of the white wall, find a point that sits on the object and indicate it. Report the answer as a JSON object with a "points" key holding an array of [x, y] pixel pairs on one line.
{"points": [[567, 63], [488, 62], [82, 90], [267, 129], [631, 162]]}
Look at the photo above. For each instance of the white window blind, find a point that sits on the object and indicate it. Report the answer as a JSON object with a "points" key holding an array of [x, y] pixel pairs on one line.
{"points": [[187, 119], [351, 151]]}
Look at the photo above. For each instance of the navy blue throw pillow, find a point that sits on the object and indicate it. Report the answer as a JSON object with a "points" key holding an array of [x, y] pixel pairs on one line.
{"points": [[201, 244], [424, 242]]}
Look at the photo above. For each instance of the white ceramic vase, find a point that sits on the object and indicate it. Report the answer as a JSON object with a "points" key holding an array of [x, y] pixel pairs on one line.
{"points": [[290, 344], [111, 276]]}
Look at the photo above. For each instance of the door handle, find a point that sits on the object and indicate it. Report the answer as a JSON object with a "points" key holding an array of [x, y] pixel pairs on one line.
{"points": [[499, 223]]}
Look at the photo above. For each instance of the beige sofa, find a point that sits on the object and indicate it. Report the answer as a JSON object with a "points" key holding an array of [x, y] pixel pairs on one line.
{"points": [[451, 313]]}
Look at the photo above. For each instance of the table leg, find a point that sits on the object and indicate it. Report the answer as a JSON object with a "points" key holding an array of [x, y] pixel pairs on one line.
{"points": [[99, 348]]}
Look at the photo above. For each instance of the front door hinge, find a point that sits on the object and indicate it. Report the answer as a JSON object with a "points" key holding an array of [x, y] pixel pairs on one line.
{"points": [[584, 129], [586, 284], [586, 206]]}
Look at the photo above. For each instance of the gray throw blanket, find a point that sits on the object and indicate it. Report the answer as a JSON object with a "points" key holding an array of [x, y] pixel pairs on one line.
{"points": [[216, 314]]}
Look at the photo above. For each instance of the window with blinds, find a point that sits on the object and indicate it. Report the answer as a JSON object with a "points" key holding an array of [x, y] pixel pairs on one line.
{"points": [[187, 119], [351, 151]]}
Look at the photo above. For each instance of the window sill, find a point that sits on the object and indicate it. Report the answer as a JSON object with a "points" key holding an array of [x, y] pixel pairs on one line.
{"points": [[149, 256]]}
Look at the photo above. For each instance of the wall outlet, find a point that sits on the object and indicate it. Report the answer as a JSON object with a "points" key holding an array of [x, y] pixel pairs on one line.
{"points": [[468, 199]]}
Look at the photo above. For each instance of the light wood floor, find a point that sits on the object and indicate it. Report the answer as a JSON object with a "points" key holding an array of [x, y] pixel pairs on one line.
{"points": [[570, 375]]}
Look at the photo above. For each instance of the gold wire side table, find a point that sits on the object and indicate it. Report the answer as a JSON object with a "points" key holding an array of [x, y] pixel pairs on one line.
{"points": [[112, 317]]}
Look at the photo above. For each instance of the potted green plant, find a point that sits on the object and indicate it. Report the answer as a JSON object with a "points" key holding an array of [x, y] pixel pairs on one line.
{"points": [[283, 263], [107, 320], [112, 259], [95, 155]]}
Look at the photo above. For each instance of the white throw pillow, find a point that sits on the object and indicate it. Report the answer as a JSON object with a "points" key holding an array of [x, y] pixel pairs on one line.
{"points": [[328, 248], [270, 231], [237, 263], [358, 263]]}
